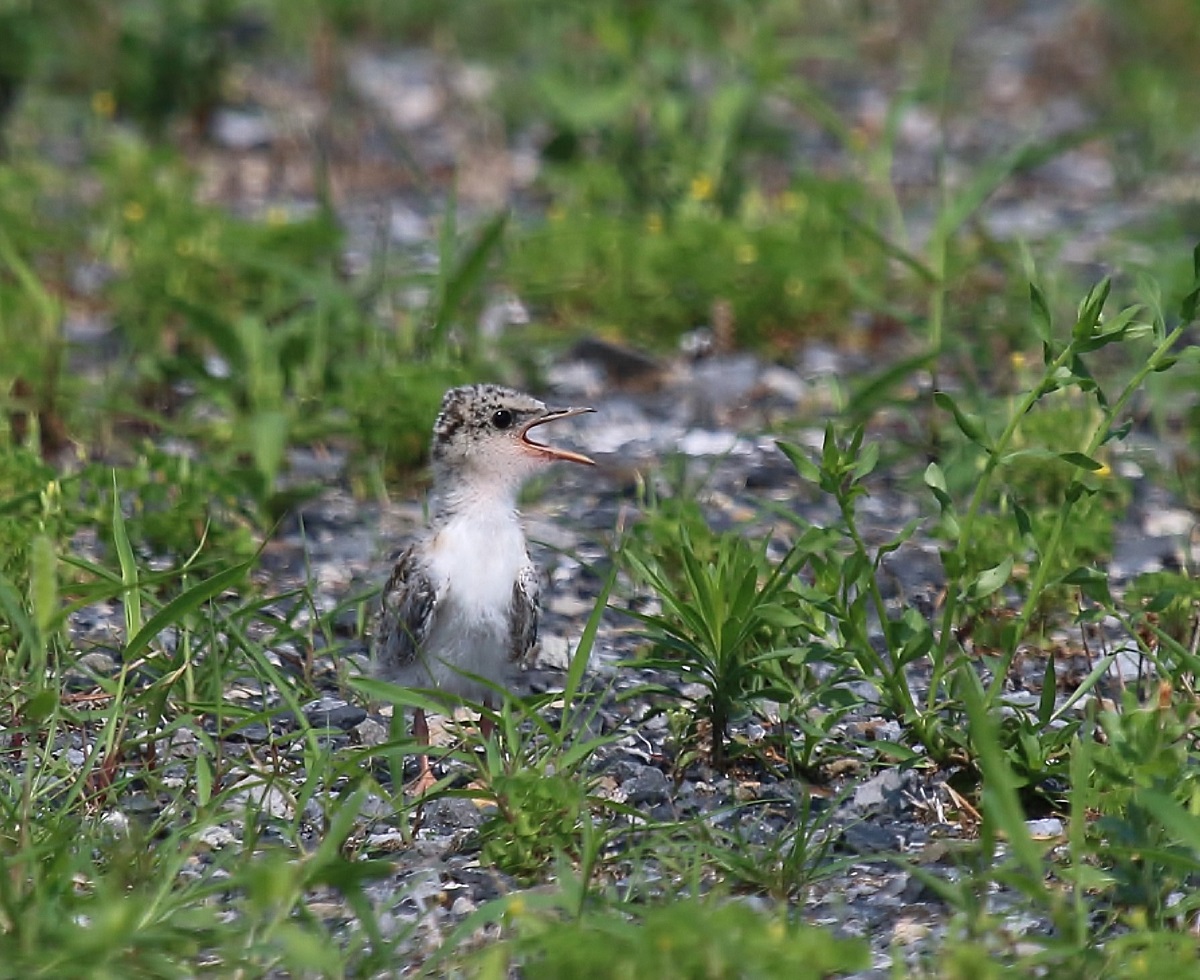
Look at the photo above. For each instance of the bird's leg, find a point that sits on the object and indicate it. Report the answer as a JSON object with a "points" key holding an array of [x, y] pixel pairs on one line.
{"points": [[425, 778], [486, 725]]}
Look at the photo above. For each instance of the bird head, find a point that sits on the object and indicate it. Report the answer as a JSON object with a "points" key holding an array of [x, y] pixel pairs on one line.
{"points": [[486, 433]]}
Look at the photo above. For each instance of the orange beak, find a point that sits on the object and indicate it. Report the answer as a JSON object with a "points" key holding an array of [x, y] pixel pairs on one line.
{"points": [[553, 415]]}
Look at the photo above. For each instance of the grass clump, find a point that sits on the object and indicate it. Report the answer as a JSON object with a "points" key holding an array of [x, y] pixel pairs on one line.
{"points": [[210, 875], [776, 272], [726, 625], [30, 506], [689, 938]]}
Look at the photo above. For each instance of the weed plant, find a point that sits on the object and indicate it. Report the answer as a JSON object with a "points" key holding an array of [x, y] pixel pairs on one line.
{"points": [[92, 888], [1133, 864], [686, 939]]}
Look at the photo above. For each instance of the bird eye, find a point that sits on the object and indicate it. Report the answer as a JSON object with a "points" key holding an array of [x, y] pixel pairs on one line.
{"points": [[502, 419]]}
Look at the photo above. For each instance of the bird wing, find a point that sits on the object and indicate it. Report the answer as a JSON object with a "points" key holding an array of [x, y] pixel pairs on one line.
{"points": [[523, 614], [405, 612]]}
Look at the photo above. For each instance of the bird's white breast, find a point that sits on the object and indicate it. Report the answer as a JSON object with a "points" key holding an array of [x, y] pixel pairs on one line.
{"points": [[476, 558]]}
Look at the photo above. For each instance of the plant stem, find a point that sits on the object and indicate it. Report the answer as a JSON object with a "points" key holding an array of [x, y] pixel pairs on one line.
{"points": [[1042, 572], [995, 455], [891, 673]]}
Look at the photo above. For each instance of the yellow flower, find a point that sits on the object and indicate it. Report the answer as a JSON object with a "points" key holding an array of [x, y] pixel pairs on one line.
{"points": [[654, 223], [556, 214], [746, 253], [1017, 358], [702, 187], [1104, 471], [104, 104], [133, 212], [277, 216]]}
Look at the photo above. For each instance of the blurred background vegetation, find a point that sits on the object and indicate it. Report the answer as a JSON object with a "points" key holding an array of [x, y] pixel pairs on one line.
{"points": [[199, 204]]}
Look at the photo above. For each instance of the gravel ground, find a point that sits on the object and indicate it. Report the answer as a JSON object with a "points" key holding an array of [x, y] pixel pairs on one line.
{"points": [[866, 806], [718, 413]]}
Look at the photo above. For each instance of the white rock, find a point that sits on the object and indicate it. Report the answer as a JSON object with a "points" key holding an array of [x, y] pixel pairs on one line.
{"points": [[254, 792], [1169, 523], [555, 653], [216, 838], [1046, 829], [709, 442]]}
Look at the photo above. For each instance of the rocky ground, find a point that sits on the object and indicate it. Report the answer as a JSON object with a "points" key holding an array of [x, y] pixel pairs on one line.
{"points": [[873, 809], [716, 416]]}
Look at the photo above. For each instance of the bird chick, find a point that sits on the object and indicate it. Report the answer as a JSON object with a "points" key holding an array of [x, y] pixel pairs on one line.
{"points": [[462, 600]]}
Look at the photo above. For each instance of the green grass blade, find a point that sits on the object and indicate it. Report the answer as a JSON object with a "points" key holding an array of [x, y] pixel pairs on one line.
{"points": [[184, 604], [129, 569], [587, 639]]}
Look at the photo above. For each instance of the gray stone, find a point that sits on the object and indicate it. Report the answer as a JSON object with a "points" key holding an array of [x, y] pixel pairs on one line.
{"points": [[648, 785], [331, 712], [878, 793]]}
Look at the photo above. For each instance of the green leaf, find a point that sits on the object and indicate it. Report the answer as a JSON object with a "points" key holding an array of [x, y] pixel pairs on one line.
{"points": [[1081, 460], [41, 706], [587, 639], [1187, 308], [457, 280], [13, 609], [1161, 600], [1101, 668], [878, 389], [807, 469], [204, 779], [1092, 582], [184, 604], [43, 583], [1119, 433], [935, 478], [1043, 323], [950, 527], [1001, 805], [986, 180], [1084, 575], [970, 426], [1181, 824], [1049, 692], [866, 461], [269, 437], [991, 579], [898, 752], [1024, 524], [1077, 490], [1090, 310], [129, 570]]}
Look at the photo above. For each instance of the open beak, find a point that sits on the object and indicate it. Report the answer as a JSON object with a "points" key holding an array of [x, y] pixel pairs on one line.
{"points": [[553, 415]]}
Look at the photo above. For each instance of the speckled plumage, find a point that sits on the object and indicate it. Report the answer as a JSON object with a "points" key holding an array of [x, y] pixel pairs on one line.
{"points": [[462, 600], [414, 598]]}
